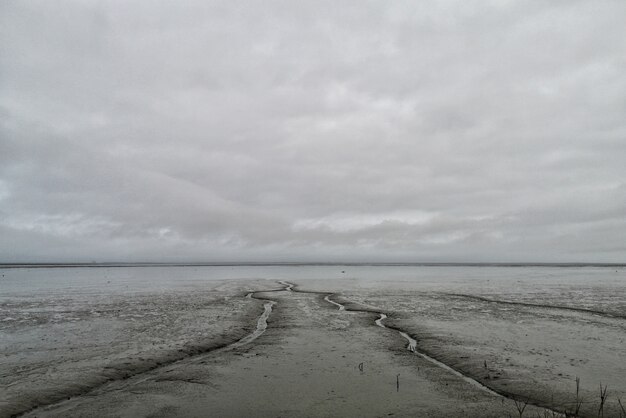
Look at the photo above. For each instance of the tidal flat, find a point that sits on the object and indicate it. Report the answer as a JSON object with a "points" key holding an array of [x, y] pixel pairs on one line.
{"points": [[311, 340]]}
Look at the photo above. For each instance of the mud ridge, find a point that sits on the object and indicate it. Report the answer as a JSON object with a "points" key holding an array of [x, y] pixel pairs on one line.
{"points": [[115, 372], [123, 371], [538, 305], [412, 347]]}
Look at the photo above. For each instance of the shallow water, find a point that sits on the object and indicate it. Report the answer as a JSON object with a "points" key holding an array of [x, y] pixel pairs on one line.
{"points": [[261, 326], [338, 305]]}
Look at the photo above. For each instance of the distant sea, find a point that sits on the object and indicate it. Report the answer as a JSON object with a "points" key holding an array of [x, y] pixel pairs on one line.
{"points": [[41, 278]]}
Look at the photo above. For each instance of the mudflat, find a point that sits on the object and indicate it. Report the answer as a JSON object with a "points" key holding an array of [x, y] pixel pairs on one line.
{"points": [[312, 360], [308, 347]]}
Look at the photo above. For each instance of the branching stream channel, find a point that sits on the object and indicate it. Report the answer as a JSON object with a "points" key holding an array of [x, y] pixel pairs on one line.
{"points": [[261, 327], [412, 347]]}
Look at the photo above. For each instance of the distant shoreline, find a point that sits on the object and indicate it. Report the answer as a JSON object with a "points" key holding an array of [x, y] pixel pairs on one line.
{"points": [[298, 264]]}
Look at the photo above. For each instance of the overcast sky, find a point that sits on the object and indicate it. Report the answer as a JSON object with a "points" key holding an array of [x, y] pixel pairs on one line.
{"points": [[313, 130]]}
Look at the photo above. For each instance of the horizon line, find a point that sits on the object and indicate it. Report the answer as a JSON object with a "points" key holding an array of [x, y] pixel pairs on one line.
{"points": [[300, 263]]}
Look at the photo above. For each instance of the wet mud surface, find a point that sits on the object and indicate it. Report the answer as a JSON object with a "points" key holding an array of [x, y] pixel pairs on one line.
{"points": [[311, 348]]}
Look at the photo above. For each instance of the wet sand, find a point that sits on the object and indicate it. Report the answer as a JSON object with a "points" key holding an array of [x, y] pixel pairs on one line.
{"points": [[312, 360], [310, 348], [63, 345]]}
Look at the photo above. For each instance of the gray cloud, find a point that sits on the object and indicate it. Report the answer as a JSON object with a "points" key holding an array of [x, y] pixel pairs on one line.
{"points": [[459, 131]]}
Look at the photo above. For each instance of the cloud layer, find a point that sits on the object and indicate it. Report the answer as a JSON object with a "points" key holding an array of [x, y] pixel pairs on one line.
{"points": [[356, 131]]}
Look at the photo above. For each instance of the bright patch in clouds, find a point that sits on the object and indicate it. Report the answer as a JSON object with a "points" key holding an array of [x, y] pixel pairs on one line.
{"points": [[353, 221]]}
